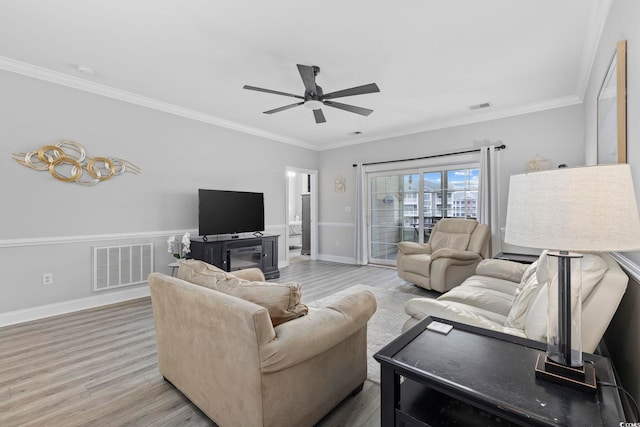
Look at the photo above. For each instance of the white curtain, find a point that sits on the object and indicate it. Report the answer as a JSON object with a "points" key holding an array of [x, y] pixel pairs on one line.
{"points": [[361, 244], [489, 195]]}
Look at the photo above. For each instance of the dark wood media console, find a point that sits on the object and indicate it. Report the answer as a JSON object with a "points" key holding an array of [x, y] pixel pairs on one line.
{"points": [[239, 253]]}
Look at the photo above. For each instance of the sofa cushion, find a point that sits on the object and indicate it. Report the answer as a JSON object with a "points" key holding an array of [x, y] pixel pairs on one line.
{"points": [[419, 308], [486, 293], [501, 269], [282, 300]]}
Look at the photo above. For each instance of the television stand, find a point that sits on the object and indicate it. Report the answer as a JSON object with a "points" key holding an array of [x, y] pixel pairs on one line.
{"points": [[237, 253]]}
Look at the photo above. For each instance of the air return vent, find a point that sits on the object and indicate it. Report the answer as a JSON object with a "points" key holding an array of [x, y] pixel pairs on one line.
{"points": [[119, 266]]}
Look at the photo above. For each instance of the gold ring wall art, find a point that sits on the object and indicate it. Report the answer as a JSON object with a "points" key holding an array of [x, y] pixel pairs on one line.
{"points": [[67, 162]]}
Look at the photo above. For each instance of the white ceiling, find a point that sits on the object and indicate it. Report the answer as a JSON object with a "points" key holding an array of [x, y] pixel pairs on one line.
{"points": [[431, 59]]}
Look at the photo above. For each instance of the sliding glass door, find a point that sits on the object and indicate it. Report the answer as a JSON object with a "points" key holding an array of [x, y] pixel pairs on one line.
{"points": [[393, 212], [405, 205]]}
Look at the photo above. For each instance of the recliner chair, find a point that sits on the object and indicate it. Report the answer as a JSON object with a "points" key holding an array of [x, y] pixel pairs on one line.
{"points": [[456, 246]]}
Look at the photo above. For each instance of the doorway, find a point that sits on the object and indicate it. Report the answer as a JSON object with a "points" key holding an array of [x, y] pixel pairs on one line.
{"points": [[301, 241]]}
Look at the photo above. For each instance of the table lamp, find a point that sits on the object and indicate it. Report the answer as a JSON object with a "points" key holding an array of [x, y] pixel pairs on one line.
{"points": [[584, 209]]}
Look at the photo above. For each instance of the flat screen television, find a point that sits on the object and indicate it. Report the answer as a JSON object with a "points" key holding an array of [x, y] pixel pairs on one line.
{"points": [[229, 212]]}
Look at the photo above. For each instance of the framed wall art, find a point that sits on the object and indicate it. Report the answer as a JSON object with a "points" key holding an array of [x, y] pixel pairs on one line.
{"points": [[612, 110]]}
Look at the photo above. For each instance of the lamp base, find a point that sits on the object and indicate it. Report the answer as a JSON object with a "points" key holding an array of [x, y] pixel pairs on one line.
{"points": [[582, 378]]}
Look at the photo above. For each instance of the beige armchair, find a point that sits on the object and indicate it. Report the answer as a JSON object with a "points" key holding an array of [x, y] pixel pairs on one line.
{"points": [[455, 248], [224, 353]]}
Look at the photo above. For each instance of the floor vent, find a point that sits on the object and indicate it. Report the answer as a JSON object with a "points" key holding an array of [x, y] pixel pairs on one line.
{"points": [[119, 266]]}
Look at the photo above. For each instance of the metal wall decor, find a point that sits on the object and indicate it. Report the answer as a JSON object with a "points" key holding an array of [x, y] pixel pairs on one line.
{"points": [[339, 184], [67, 161]]}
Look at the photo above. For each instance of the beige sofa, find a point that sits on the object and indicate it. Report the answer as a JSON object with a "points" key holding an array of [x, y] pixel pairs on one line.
{"points": [[512, 298], [224, 353], [455, 248]]}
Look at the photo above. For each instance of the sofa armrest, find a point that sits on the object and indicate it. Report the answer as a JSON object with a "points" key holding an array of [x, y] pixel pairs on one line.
{"points": [[502, 269], [250, 274], [321, 329], [409, 248], [455, 254]]}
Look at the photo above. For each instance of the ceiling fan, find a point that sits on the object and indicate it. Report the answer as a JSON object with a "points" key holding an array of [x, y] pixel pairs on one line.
{"points": [[314, 98]]}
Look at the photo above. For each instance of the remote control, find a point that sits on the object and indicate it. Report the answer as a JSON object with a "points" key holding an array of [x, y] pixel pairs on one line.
{"points": [[439, 327]]}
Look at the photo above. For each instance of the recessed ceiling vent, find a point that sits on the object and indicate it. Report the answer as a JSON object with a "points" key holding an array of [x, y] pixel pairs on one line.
{"points": [[479, 106]]}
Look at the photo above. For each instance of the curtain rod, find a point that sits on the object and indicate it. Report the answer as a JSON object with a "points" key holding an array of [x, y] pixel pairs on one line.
{"points": [[499, 147]]}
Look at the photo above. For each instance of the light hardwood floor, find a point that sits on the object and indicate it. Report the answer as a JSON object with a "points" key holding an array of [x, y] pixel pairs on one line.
{"points": [[99, 367]]}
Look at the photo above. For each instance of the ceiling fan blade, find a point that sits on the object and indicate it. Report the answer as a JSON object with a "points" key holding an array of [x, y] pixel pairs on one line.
{"points": [[319, 115], [351, 108], [358, 90], [286, 107], [308, 78], [259, 89]]}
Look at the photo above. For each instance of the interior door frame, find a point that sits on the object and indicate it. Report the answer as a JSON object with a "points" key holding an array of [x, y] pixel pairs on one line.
{"points": [[314, 209]]}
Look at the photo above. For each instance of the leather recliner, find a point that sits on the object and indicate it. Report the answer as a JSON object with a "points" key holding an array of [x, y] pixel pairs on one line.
{"points": [[456, 246]]}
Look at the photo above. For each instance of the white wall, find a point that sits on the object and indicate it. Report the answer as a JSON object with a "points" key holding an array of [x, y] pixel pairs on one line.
{"points": [[555, 134], [623, 23], [49, 226]]}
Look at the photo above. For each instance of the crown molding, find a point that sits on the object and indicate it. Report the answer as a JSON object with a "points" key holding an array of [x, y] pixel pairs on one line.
{"points": [[67, 80], [475, 118], [595, 28]]}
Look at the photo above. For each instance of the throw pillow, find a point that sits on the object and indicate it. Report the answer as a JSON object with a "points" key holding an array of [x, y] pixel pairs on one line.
{"points": [[203, 274], [282, 300], [592, 265], [525, 295], [593, 269]]}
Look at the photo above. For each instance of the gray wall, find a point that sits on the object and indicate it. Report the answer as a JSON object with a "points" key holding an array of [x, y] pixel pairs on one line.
{"points": [[622, 24], [555, 134], [49, 226]]}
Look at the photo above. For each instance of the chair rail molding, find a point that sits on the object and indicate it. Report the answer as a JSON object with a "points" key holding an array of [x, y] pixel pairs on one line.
{"points": [[57, 240]]}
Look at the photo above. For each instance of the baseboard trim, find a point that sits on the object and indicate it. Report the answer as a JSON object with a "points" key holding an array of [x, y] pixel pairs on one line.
{"points": [[65, 307], [340, 259]]}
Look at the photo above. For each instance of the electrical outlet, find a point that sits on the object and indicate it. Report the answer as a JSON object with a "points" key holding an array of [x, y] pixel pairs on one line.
{"points": [[47, 278], [337, 243]]}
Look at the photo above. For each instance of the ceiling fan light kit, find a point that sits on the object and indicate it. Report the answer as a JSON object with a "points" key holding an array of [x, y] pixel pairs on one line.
{"points": [[313, 104], [314, 98]]}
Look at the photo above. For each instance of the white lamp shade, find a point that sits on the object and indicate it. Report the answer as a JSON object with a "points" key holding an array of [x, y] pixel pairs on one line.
{"points": [[590, 208]]}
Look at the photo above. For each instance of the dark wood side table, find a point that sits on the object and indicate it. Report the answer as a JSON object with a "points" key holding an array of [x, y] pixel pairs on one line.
{"points": [[521, 258], [474, 377]]}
